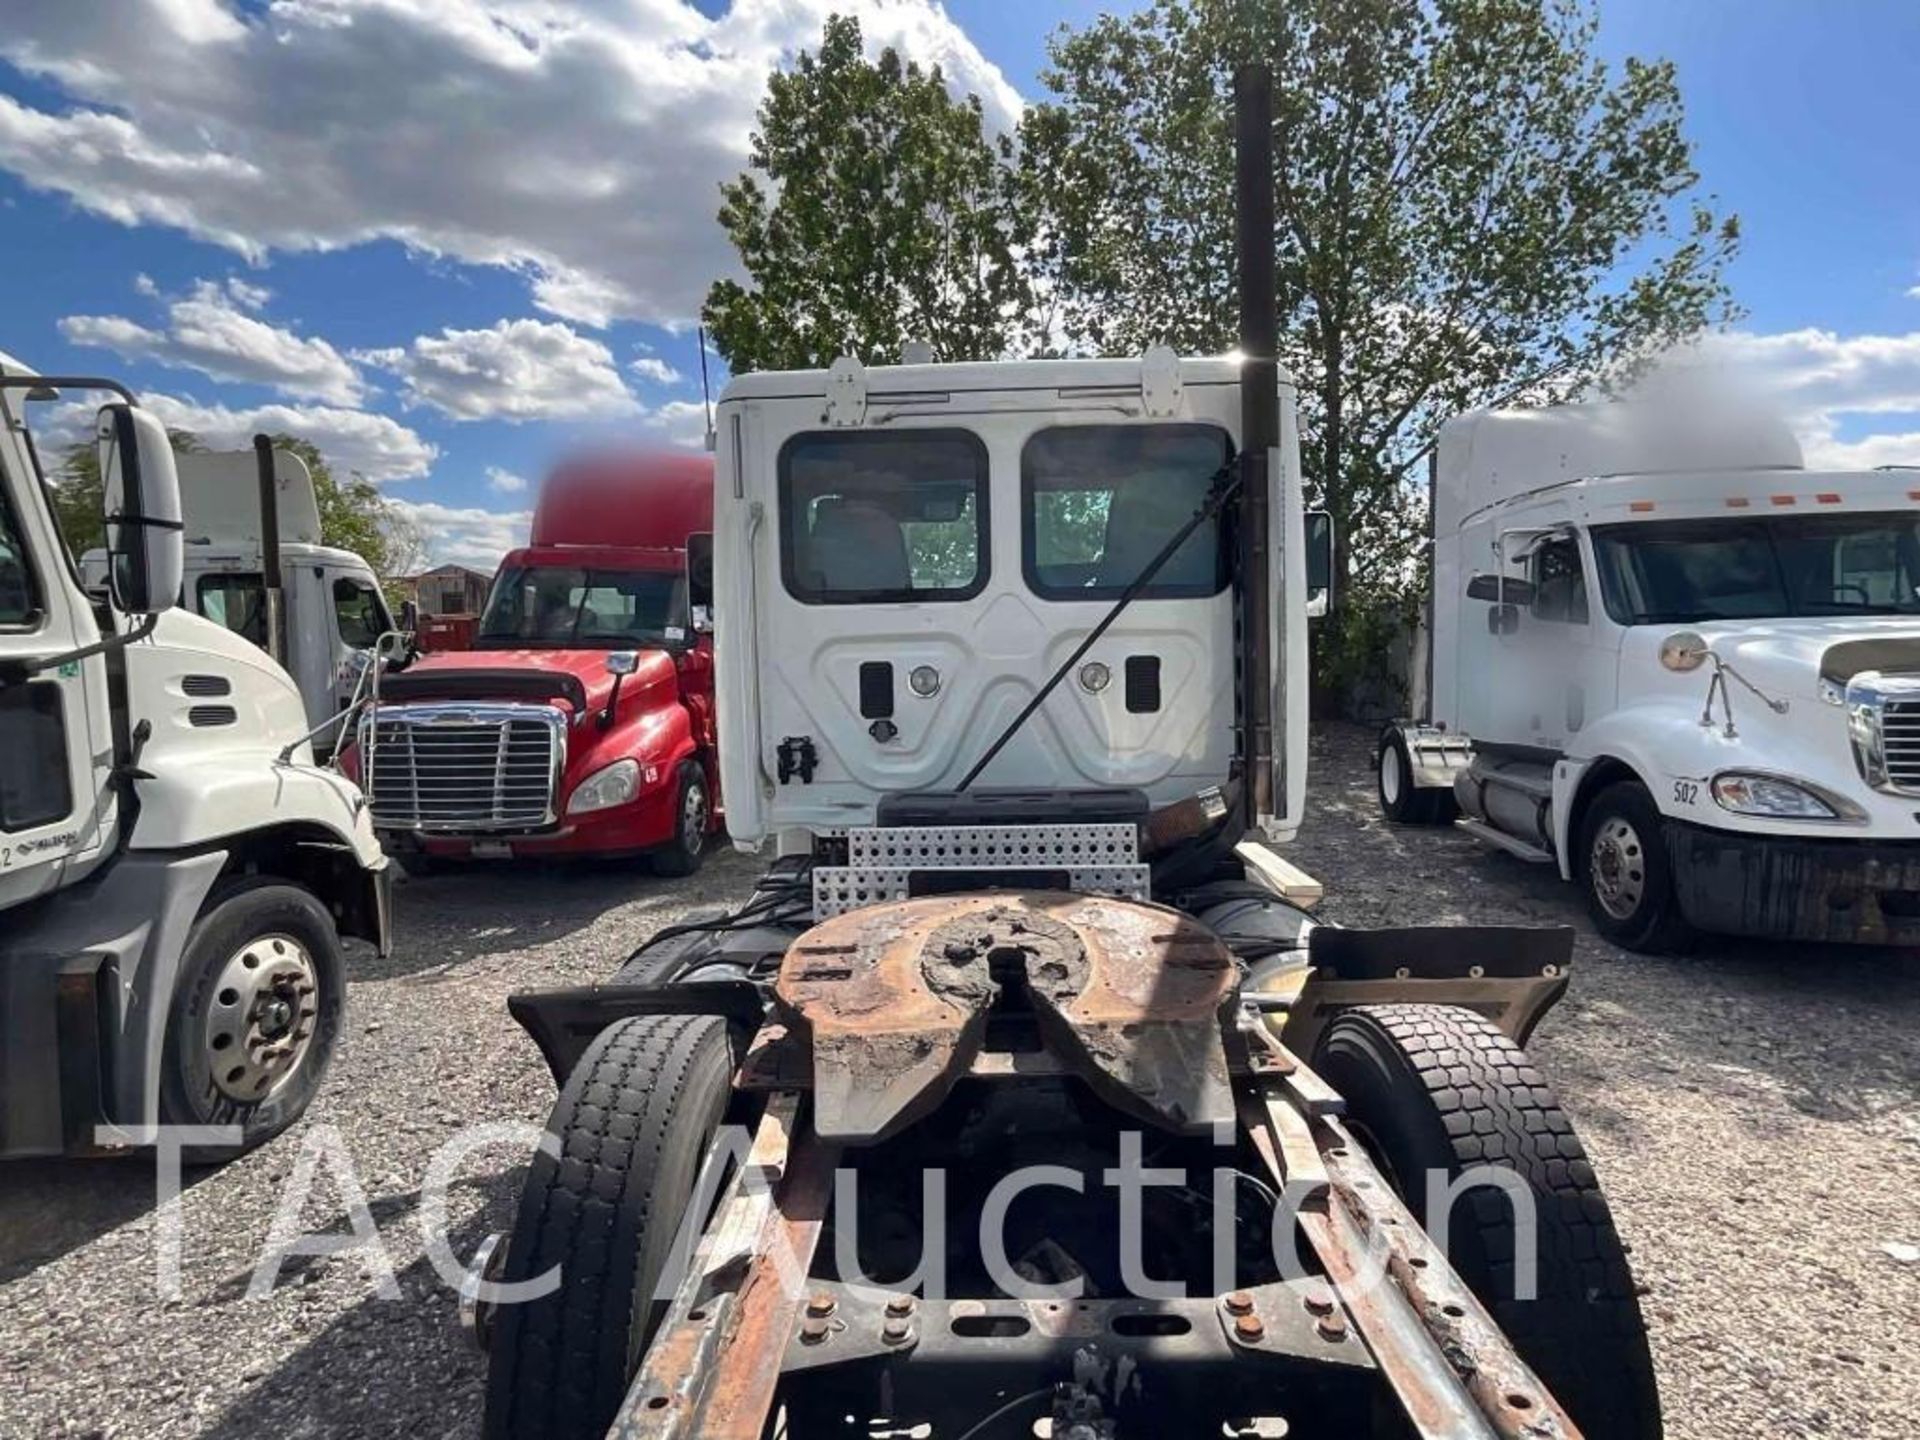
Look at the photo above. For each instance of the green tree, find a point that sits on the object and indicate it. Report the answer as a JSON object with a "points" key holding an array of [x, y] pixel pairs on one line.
{"points": [[1472, 209], [877, 211]]}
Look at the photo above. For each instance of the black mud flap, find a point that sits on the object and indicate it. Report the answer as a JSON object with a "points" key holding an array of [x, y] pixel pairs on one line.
{"points": [[1511, 974], [563, 1023]]}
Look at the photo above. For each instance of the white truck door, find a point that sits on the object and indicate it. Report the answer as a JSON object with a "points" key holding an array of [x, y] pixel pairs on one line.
{"points": [[56, 748]]}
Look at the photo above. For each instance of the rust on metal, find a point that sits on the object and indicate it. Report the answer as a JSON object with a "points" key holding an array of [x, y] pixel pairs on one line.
{"points": [[1509, 1394], [894, 1000]]}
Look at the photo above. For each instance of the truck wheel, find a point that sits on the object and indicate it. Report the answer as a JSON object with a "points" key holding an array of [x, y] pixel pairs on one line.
{"points": [[692, 816], [255, 1014], [1401, 800], [634, 1122], [1435, 1088], [1622, 852]]}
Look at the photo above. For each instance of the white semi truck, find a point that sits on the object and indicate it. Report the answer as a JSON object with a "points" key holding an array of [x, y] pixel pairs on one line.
{"points": [[176, 873], [1671, 660], [329, 613]]}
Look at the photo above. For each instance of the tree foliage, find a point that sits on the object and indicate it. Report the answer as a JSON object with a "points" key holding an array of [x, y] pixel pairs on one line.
{"points": [[877, 211], [1472, 209]]}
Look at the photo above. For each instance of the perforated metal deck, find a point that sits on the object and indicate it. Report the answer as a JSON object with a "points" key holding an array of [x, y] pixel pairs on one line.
{"points": [[1097, 860]]}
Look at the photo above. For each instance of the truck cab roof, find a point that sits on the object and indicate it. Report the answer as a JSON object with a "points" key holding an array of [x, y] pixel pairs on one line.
{"points": [[902, 383]]}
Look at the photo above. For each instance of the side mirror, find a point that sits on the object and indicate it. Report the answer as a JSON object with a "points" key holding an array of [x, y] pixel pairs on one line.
{"points": [[1319, 563], [1503, 619], [700, 583], [1509, 592], [146, 556], [623, 662], [409, 615]]}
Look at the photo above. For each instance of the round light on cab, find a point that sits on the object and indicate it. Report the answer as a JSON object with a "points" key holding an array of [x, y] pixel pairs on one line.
{"points": [[1095, 677], [1683, 651], [924, 681]]}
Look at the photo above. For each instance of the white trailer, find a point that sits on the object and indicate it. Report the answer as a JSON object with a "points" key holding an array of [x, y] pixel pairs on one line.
{"points": [[1671, 660], [332, 612], [176, 872]]}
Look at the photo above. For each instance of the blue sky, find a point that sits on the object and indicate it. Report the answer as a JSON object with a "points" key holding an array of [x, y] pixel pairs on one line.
{"points": [[449, 248]]}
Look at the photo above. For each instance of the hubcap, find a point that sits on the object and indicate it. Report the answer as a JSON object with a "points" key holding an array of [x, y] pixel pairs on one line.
{"points": [[260, 1025], [1619, 868], [1389, 775], [693, 819]]}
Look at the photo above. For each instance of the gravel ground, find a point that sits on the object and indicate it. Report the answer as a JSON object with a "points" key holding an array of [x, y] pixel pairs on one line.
{"points": [[1754, 1112]]}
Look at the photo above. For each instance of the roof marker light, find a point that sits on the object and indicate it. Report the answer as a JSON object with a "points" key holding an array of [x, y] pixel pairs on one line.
{"points": [[1783, 499], [1827, 497], [1640, 507], [1738, 502]]}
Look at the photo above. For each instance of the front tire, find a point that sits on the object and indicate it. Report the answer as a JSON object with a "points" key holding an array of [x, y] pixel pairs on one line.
{"points": [[1622, 850], [255, 1014], [635, 1122], [1401, 801], [692, 818], [1438, 1089]]}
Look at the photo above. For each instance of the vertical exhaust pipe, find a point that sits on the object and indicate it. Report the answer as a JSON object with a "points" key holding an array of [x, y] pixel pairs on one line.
{"points": [[1259, 426], [271, 584]]}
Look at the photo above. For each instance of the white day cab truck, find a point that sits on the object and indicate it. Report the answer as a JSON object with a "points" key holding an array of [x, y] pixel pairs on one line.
{"points": [[1012, 681], [1671, 660], [176, 873], [315, 608]]}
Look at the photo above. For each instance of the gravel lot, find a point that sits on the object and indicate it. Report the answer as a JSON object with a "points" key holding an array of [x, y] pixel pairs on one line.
{"points": [[1754, 1112]]}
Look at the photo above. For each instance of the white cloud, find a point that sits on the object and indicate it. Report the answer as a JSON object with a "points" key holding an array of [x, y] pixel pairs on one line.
{"points": [[505, 482], [653, 368], [375, 446], [463, 535], [143, 285], [516, 370], [1815, 379], [210, 331], [680, 422], [581, 142]]}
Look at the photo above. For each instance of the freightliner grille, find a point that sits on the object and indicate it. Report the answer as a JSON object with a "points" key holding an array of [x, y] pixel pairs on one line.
{"points": [[1900, 727], [453, 767]]}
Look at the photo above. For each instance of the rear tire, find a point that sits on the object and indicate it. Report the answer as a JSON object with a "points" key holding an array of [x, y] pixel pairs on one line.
{"points": [[1401, 801], [692, 818], [1624, 870], [254, 1016], [1438, 1088], [635, 1123]]}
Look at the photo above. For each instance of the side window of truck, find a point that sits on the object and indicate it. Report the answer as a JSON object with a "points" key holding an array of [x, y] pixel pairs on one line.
{"points": [[17, 604], [1559, 583], [1100, 501], [359, 613], [869, 518], [239, 602]]}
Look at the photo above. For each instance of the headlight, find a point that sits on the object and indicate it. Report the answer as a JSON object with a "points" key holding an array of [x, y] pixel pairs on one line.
{"points": [[1746, 793], [614, 785]]}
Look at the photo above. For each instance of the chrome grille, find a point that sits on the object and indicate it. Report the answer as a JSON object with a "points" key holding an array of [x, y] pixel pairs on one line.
{"points": [[451, 767], [1900, 736]]}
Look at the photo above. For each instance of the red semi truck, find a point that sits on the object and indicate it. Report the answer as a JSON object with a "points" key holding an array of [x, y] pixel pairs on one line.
{"points": [[582, 720]]}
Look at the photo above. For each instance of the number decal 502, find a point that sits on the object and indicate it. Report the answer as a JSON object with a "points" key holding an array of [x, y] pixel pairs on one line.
{"points": [[1685, 792]]}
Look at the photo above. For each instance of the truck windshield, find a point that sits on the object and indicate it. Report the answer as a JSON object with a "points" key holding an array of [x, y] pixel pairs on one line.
{"points": [[568, 608], [1670, 572]]}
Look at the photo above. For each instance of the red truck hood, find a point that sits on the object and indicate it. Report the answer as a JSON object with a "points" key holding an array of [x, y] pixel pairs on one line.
{"points": [[470, 675]]}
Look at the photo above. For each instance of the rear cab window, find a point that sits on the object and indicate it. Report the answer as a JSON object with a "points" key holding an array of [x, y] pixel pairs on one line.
{"points": [[875, 518], [238, 602], [1099, 502]]}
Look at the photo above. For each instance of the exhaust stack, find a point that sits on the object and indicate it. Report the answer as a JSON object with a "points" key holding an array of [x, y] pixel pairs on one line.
{"points": [[270, 579], [1259, 426]]}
